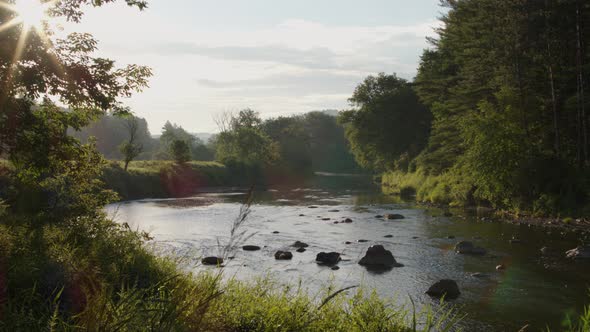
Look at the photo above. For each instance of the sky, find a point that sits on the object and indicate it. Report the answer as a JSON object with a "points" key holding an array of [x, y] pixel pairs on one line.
{"points": [[276, 57]]}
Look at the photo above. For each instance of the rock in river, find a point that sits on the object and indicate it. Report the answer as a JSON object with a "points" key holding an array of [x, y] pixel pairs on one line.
{"points": [[283, 255], [466, 247], [347, 220], [300, 250], [250, 248], [445, 287], [212, 260], [388, 236], [378, 256], [328, 258], [299, 244], [394, 216], [578, 253]]}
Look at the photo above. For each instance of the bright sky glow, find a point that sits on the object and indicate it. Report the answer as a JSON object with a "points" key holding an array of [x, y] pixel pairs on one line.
{"points": [[276, 57]]}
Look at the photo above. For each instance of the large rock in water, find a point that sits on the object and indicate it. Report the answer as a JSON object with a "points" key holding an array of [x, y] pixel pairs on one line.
{"points": [[467, 248], [378, 256], [445, 287], [328, 258], [578, 253], [283, 255], [212, 260]]}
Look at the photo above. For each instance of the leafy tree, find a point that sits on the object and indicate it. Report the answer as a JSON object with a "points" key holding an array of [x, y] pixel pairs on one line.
{"points": [[244, 141], [130, 148], [387, 121], [198, 149], [180, 151], [52, 170]]}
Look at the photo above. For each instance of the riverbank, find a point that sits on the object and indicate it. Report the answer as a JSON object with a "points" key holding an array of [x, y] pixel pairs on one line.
{"points": [[452, 191]]}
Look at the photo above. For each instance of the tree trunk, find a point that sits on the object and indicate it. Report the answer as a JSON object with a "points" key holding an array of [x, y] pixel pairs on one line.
{"points": [[582, 149], [126, 164]]}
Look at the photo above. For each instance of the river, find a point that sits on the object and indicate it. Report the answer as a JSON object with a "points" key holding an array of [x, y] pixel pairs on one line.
{"points": [[532, 289]]}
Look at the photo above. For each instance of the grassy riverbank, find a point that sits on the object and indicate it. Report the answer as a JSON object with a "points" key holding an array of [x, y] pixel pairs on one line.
{"points": [[459, 190]]}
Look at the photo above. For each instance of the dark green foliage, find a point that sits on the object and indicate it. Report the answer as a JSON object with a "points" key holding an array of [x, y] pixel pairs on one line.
{"points": [[387, 122], [180, 151], [506, 82]]}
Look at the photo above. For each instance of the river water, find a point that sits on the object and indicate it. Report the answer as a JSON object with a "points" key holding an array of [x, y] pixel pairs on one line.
{"points": [[533, 289]]}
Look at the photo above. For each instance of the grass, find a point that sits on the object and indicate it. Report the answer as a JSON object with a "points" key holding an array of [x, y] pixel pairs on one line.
{"points": [[158, 179], [448, 188]]}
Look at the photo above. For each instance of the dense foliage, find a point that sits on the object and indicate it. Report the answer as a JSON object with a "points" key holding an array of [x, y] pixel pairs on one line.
{"points": [[388, 124], [506, 83]]}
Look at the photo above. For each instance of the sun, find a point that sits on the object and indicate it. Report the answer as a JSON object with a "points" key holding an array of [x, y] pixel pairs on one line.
{"points": [[30, 13]]}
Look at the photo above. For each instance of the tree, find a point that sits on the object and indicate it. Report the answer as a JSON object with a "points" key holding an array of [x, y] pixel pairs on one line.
{"points": [[180, 151], [54, 170], [130, 148], [387, 122], [245, 142]]}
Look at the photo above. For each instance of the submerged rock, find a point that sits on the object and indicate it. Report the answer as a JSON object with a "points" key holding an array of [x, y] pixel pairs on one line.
{"points": [[334, 210], [347, 242], [328, 258], [250, 248], [394, 216], [212, 260], [362, 241], [283, 255], [388, 236], [276, 232], [299, 244], [300, 250], [445, 287], [347, 220], [325, 219], [379, 256], [578, 253], [336, 267], [378, 216], [467, 248], [312, 207]]}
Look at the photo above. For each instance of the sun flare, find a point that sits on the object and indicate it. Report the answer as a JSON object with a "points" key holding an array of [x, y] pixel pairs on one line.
{"points": [[31, 13]]}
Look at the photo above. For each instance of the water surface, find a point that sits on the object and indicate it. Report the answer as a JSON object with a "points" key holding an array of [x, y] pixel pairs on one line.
{"points": [[531, 290]]}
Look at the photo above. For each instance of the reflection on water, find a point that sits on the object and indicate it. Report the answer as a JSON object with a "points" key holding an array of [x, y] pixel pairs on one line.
{"points": [[530, 290]]}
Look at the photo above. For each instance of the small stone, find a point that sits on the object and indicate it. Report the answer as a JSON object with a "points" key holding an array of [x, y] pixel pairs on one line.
{"points": [[302, 215], [362, 241], [347, 242], [212, 260], [299, 244], [325, 219], [479, 275], [335, 267], [283, 255], [300, 250], [500, 267], [347, 220], [379, 216], [388, 236], [333, 210], [394, 216], [336, 222], [250, 248], [328, 258], [466, 247], [276, 232], [312, 207]]}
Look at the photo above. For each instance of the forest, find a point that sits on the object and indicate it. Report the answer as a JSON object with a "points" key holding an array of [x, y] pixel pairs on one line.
{"points": [[497, 117]]}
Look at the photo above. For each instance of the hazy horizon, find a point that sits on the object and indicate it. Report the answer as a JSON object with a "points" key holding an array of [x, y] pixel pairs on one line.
{"points": [[208, 58]]}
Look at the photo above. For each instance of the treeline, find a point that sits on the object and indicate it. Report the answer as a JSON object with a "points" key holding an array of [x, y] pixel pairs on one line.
{"points": [[295, 144], [497, 114]]}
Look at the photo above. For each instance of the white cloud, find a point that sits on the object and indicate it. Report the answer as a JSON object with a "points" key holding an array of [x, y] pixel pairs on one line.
{"points": [[294, 66]]}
